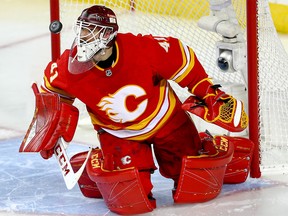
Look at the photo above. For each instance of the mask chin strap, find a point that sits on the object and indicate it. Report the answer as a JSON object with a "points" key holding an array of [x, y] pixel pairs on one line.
{"points": [[101, 52], [73, 59]]}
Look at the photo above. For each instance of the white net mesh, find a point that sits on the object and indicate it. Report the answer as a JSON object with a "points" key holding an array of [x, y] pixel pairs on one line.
{"points": [[178, 18], [273, 94]]}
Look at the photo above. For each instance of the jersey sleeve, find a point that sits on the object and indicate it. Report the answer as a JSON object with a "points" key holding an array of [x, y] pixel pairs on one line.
{"points": [[176, 61], [55, 78]]}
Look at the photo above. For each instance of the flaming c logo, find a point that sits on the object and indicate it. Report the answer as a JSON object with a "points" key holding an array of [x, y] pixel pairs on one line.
{"points": [[115, 105]]}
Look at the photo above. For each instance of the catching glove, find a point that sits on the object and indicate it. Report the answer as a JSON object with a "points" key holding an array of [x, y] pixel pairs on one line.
{"points": [[215, 106]]}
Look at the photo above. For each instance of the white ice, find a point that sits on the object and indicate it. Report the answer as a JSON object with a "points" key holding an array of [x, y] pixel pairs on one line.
{"points": [[30, 185]]}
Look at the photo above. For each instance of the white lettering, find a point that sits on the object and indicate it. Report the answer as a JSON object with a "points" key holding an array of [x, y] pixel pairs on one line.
{"points": [[61, 159], [53, 72]]}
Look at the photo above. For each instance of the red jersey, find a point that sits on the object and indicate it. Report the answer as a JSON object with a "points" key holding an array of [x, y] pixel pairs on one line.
{"points": [[132, 99]]}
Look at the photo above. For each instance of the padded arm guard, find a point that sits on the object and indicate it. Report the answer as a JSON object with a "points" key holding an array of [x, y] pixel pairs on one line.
{"points": [[52, 120], [122, 190]]}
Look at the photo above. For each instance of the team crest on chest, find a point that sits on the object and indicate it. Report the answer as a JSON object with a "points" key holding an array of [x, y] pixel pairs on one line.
{"points": [[124, 105]]}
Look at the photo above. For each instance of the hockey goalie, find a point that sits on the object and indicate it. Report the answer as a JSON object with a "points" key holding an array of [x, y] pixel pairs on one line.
{"points": [[123, 80]]}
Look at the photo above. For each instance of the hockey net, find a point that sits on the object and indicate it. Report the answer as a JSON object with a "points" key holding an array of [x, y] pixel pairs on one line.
{"points": [[267, 96]]}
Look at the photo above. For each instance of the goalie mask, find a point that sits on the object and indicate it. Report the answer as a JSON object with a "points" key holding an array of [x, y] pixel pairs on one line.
{"points": [[96, 29]]}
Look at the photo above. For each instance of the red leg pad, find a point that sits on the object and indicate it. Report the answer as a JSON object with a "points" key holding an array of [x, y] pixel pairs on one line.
{"points": [[201, 177], [86, 185], [122, 190], [238, 169]]}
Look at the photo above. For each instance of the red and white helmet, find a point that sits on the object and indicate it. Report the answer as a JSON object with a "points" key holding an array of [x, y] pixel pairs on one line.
{"points": [[96, 29]]}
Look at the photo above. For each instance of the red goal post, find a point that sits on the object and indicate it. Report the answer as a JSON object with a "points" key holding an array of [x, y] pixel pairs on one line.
{"points": [[253, 91], [55, 38], [266, 68]]}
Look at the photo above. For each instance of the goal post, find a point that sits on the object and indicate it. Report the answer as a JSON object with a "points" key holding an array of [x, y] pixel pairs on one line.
{"points": [[261, 84], [55, 38], [253, 91]]}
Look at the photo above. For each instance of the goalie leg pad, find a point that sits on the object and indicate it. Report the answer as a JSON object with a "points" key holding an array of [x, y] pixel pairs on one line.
{"points": [[201, 177], [238, 169], [86, 185], [122, 190]]}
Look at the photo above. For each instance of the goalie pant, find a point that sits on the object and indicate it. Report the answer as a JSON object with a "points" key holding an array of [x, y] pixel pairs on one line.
{"points": [[123, 178]]}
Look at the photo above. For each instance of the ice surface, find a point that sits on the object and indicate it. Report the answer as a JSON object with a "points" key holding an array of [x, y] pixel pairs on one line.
{"points": [[30, 185]]}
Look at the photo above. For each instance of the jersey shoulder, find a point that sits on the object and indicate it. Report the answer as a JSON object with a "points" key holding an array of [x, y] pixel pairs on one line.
{"points": [[149, 45], [57, 68], [56, 76]]}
